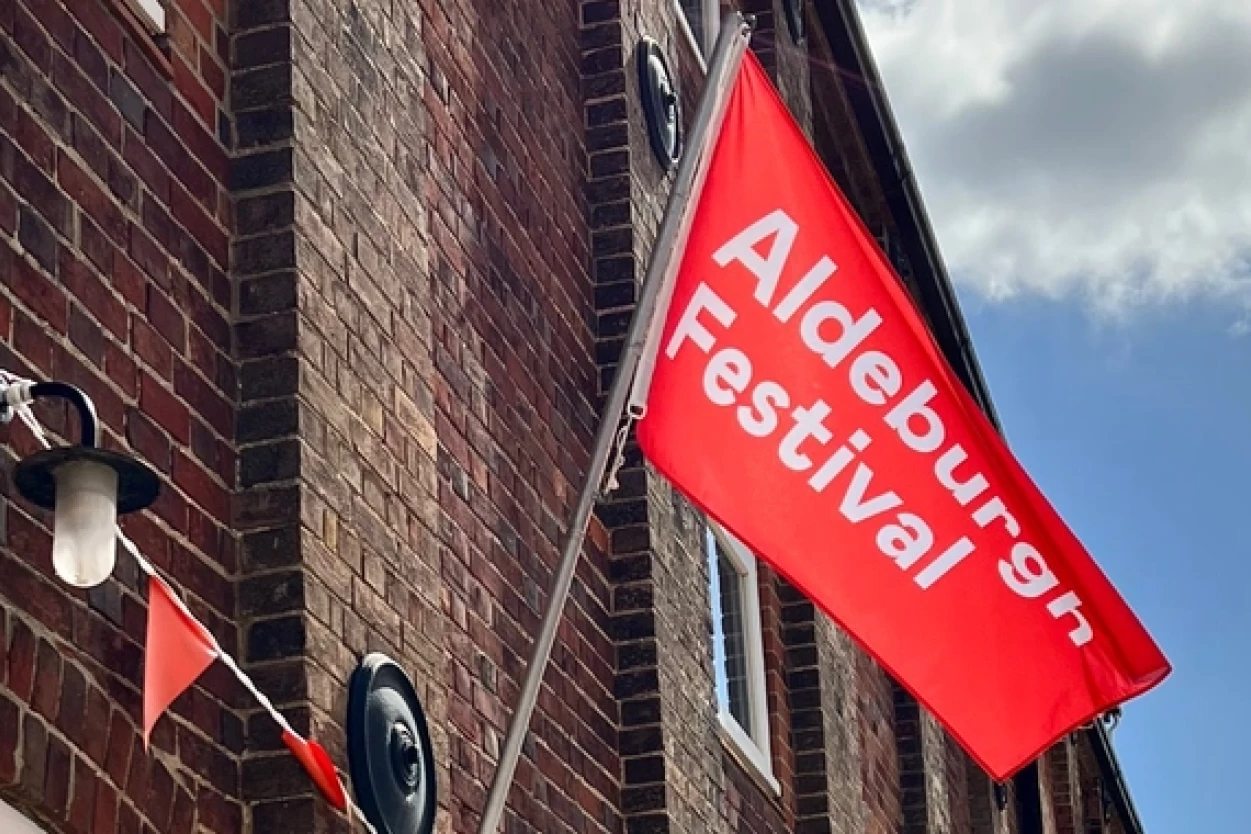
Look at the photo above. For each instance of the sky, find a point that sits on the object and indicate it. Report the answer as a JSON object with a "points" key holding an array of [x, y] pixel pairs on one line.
{"points": [[1087, 168]]}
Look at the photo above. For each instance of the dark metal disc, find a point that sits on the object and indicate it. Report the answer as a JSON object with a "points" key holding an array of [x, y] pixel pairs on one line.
{"points": [[137, 485], [662, 109], [389, 752]]}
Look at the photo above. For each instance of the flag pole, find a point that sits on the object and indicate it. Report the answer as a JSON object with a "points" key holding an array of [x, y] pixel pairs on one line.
{"points": [[722, 68]]}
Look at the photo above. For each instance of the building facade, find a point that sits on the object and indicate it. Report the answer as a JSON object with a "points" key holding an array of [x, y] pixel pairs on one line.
{"points": [[352, 276]]}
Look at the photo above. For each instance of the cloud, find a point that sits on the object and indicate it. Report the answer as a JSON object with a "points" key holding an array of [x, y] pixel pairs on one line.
{"points": [[1097, 149]]}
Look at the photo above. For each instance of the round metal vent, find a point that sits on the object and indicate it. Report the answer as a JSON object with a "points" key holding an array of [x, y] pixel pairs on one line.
{"points": [[389, 752], [661, 106]]}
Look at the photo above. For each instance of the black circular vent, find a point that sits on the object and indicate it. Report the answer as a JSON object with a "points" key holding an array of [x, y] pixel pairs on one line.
{"points": [[389, 752], [661, 107]]}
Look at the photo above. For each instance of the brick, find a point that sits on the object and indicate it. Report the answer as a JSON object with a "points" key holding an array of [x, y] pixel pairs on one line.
{"points": [[266, 508], [8, 210], [35, 752], [146, 165], [267, 126], [265, 212], [267, 420], [193, 480], [261, 170], [264, 47], [272, 594], [200, 225], [102, 27], [34, 140], [10, 738], [159, 224], [30, 38], [99, 249], [206, 402], [199, 136], [262, 87], [85, 286], [96, 723], [42, 193], [121, 742], [38, 239], [170, 149], [269, 377], [261, 13], [152, 348], [167, 411], [292, 814], [218, 814], [212, 72], [82, 803], [127, 99], [270, 549], [264, 337], [274, 639], [128, 820], [91, 60], [166, 318], [268, 294], [90, 146], [153, 84], [40, 598], [87, 99], [21, 660], [188, 83], [72, 707], [90, 197], [184, 812], [158, 803], [269, 463], [148, 255], [104, 814]]}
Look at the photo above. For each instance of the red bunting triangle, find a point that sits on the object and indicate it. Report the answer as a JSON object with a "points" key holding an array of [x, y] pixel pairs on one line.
{"points": [[319, 766], [178, 651]]}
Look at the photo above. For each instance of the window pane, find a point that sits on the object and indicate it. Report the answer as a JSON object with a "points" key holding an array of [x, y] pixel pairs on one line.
{"points": [[695, 17], [734, 636]]}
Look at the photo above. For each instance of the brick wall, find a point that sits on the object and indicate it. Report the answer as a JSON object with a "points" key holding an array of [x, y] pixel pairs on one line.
{"points": [[114, 227], [434, 429], [353, 275]]}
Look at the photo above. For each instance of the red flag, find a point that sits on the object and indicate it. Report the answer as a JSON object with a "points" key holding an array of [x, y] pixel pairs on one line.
{"points": [[799, 399], [178, 652], [319, 766]]}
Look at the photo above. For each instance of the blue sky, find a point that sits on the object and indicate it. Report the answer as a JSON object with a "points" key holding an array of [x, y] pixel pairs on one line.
{"points": [[1086, 167], [1138, 434]]}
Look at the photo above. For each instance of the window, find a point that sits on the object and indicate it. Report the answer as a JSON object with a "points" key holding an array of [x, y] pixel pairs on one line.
{"points": [[702, 19], [738, 649], [151, 13], [11, 822]]}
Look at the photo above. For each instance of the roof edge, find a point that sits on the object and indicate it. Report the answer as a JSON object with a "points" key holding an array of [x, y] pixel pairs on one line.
{"points": [[884, 142]]}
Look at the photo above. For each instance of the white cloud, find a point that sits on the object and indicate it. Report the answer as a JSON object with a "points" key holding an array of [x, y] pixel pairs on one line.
{"points": [[1098, 149]]}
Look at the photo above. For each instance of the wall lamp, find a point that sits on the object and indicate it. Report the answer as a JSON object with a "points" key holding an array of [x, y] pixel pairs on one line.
{"points": [[85, 486]]}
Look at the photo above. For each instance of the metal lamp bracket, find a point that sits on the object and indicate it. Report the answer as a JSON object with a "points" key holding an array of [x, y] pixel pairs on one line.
{"points": [[35, 478]]}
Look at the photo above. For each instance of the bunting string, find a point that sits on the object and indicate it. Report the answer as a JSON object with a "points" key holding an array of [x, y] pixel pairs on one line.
{"points": [[23, 411]]}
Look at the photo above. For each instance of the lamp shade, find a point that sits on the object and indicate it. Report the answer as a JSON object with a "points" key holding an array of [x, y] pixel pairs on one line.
{"points": [[87, 488], [84, 542]]}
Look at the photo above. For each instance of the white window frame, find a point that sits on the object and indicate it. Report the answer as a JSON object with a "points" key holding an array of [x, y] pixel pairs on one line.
{"points": [[12, 821], [151, 12], [751, 742], [701, 42]]}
